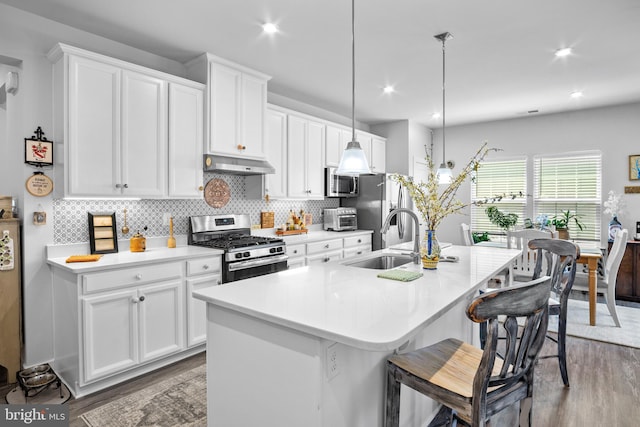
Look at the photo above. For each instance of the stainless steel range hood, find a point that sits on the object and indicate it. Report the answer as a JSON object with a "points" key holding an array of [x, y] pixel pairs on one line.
{"points": [[236, 166]]}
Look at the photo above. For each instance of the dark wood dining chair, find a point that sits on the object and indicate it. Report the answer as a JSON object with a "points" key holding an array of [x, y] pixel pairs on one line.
{"points": [[474, 384], [556, 258]]}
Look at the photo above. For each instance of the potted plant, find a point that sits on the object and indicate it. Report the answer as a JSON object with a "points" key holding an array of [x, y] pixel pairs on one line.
{"points": [[561, 223]]}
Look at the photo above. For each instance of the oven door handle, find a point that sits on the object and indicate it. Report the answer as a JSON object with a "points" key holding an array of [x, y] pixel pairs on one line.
{"points": [[243, 265]]}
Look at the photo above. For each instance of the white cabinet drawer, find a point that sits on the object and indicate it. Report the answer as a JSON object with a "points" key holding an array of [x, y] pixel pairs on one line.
{"points": [[114, 279], [296, 250], [364, 239], [324, 246], [203, 265], [324, 257], [351, 252]]}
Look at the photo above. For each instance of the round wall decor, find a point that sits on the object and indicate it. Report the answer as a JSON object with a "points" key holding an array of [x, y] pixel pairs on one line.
{"points": [[217, 193], [39, 184]]}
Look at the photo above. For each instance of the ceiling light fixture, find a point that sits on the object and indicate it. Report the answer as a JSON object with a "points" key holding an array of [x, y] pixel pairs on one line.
{"points": [[444, 172], [435, 115], [354, 161], [388, 89], [565, 51], [576, 94], [270, 28]]}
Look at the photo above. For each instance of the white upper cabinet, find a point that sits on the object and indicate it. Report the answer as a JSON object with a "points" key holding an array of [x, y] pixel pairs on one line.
{"points": [[337, 139], [305, 162], [186, 139], [143, 155], [111, 127], [237, 102], [377, 161]]}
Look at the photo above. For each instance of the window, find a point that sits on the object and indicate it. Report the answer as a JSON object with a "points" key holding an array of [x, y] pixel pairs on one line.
{"points": [[570, 181], [494, 178]]}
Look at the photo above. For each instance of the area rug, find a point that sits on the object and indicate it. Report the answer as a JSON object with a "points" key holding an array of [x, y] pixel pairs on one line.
{"points": [[178, 401], [605, 330]]}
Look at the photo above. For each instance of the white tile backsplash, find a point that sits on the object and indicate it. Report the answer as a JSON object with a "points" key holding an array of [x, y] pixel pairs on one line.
{"points": [[71, 222]]}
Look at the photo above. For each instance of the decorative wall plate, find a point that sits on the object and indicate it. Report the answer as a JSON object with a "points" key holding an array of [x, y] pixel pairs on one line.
{"points": [[39, 184], [217, 193]]}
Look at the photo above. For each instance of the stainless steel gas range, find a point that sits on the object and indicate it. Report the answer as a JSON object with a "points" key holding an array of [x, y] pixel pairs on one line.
{"points": [[244, 255]]}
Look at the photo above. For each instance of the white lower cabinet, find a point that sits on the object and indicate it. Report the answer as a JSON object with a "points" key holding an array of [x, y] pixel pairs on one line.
{"points": [[296, 255], [356, 245], [128, 327], [324, 251], [201, 273], [327, 250], [114, 324]]}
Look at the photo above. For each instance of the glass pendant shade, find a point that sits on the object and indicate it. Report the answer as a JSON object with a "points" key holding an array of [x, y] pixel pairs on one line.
{"points": [[444, 174], [354, 161]]}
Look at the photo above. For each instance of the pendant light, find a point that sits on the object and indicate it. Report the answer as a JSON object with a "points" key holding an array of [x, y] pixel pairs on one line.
{"points": [[354, 161], [444, 172]]}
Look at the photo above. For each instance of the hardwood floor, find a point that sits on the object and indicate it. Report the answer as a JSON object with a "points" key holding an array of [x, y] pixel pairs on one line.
{"points": [[605, 388]]}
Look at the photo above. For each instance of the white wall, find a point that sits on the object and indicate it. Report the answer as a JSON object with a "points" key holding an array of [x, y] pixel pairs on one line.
{"points": [[27, 38], [614, 130]]}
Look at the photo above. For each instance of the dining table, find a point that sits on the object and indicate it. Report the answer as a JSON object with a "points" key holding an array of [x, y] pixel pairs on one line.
{"points": [[590, 255]]}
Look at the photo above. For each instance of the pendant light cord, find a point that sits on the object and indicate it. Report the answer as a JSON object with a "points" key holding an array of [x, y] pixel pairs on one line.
{"points": [[353, 70], [444, 161]]}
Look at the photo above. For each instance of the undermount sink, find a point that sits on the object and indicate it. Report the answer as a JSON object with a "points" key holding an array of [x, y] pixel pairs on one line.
{"points": [[381, 262]]}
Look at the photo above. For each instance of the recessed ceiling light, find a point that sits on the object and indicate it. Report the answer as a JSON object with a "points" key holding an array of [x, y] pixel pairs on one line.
{"points": [[435, 115], [388, 89], [577, 94], [270, 28], [565, 51]]}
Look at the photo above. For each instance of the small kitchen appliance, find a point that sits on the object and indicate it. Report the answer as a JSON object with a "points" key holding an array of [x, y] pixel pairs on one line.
{"points": [[340, 219], [244, 255], [340, 185]]}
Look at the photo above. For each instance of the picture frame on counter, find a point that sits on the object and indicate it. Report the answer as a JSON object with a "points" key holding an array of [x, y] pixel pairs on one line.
{"points": [[103, 237]]}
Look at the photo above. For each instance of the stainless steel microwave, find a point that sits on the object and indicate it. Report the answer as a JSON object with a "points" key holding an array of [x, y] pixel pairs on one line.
{"points": [[340, 185]]}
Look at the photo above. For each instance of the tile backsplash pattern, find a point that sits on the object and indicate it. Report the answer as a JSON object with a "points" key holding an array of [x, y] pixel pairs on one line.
{"points": [[71, 224]]}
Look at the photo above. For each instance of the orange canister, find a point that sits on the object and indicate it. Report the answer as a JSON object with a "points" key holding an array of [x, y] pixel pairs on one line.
{"points": [[138, 243]]}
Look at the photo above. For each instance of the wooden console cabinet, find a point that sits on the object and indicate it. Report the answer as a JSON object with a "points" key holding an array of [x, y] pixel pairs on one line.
{"points": [[628, 281]]}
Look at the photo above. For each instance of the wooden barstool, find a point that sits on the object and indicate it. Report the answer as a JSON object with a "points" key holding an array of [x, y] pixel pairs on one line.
{"points": [[471, 383]]}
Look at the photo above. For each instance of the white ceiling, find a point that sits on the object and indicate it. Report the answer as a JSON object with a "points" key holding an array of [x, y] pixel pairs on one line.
{"points": [[500, 63]]}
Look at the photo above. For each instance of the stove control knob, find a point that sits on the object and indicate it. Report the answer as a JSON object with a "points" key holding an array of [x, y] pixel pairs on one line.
{"points": [[238, 255], [246, 254], [279, 248], [272, 250]]}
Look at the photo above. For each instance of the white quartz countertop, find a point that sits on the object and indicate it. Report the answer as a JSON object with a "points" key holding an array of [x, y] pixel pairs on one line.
{"points": [[351, 305], [126, 258]]}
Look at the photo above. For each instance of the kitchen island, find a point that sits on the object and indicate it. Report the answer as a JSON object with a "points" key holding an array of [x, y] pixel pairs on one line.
{"points": [[307, 346]]}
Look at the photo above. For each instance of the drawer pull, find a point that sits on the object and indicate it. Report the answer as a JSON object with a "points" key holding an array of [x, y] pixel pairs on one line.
{"points": [[359, 240], [138, 276], [206, 266], [327, 259], [295, 251], [326, 246]]}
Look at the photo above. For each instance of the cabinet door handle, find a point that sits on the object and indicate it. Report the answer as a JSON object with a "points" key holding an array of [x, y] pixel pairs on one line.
{"points": [[200, 188], [138, 276], [327, 259], [126, 186], [135, 300], [219, 282], [141, 298], [118, 185], [242, 147]]}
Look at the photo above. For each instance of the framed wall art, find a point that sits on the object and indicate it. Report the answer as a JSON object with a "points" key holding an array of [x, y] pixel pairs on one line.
{"points": [[634, 167], [103, 237]]}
